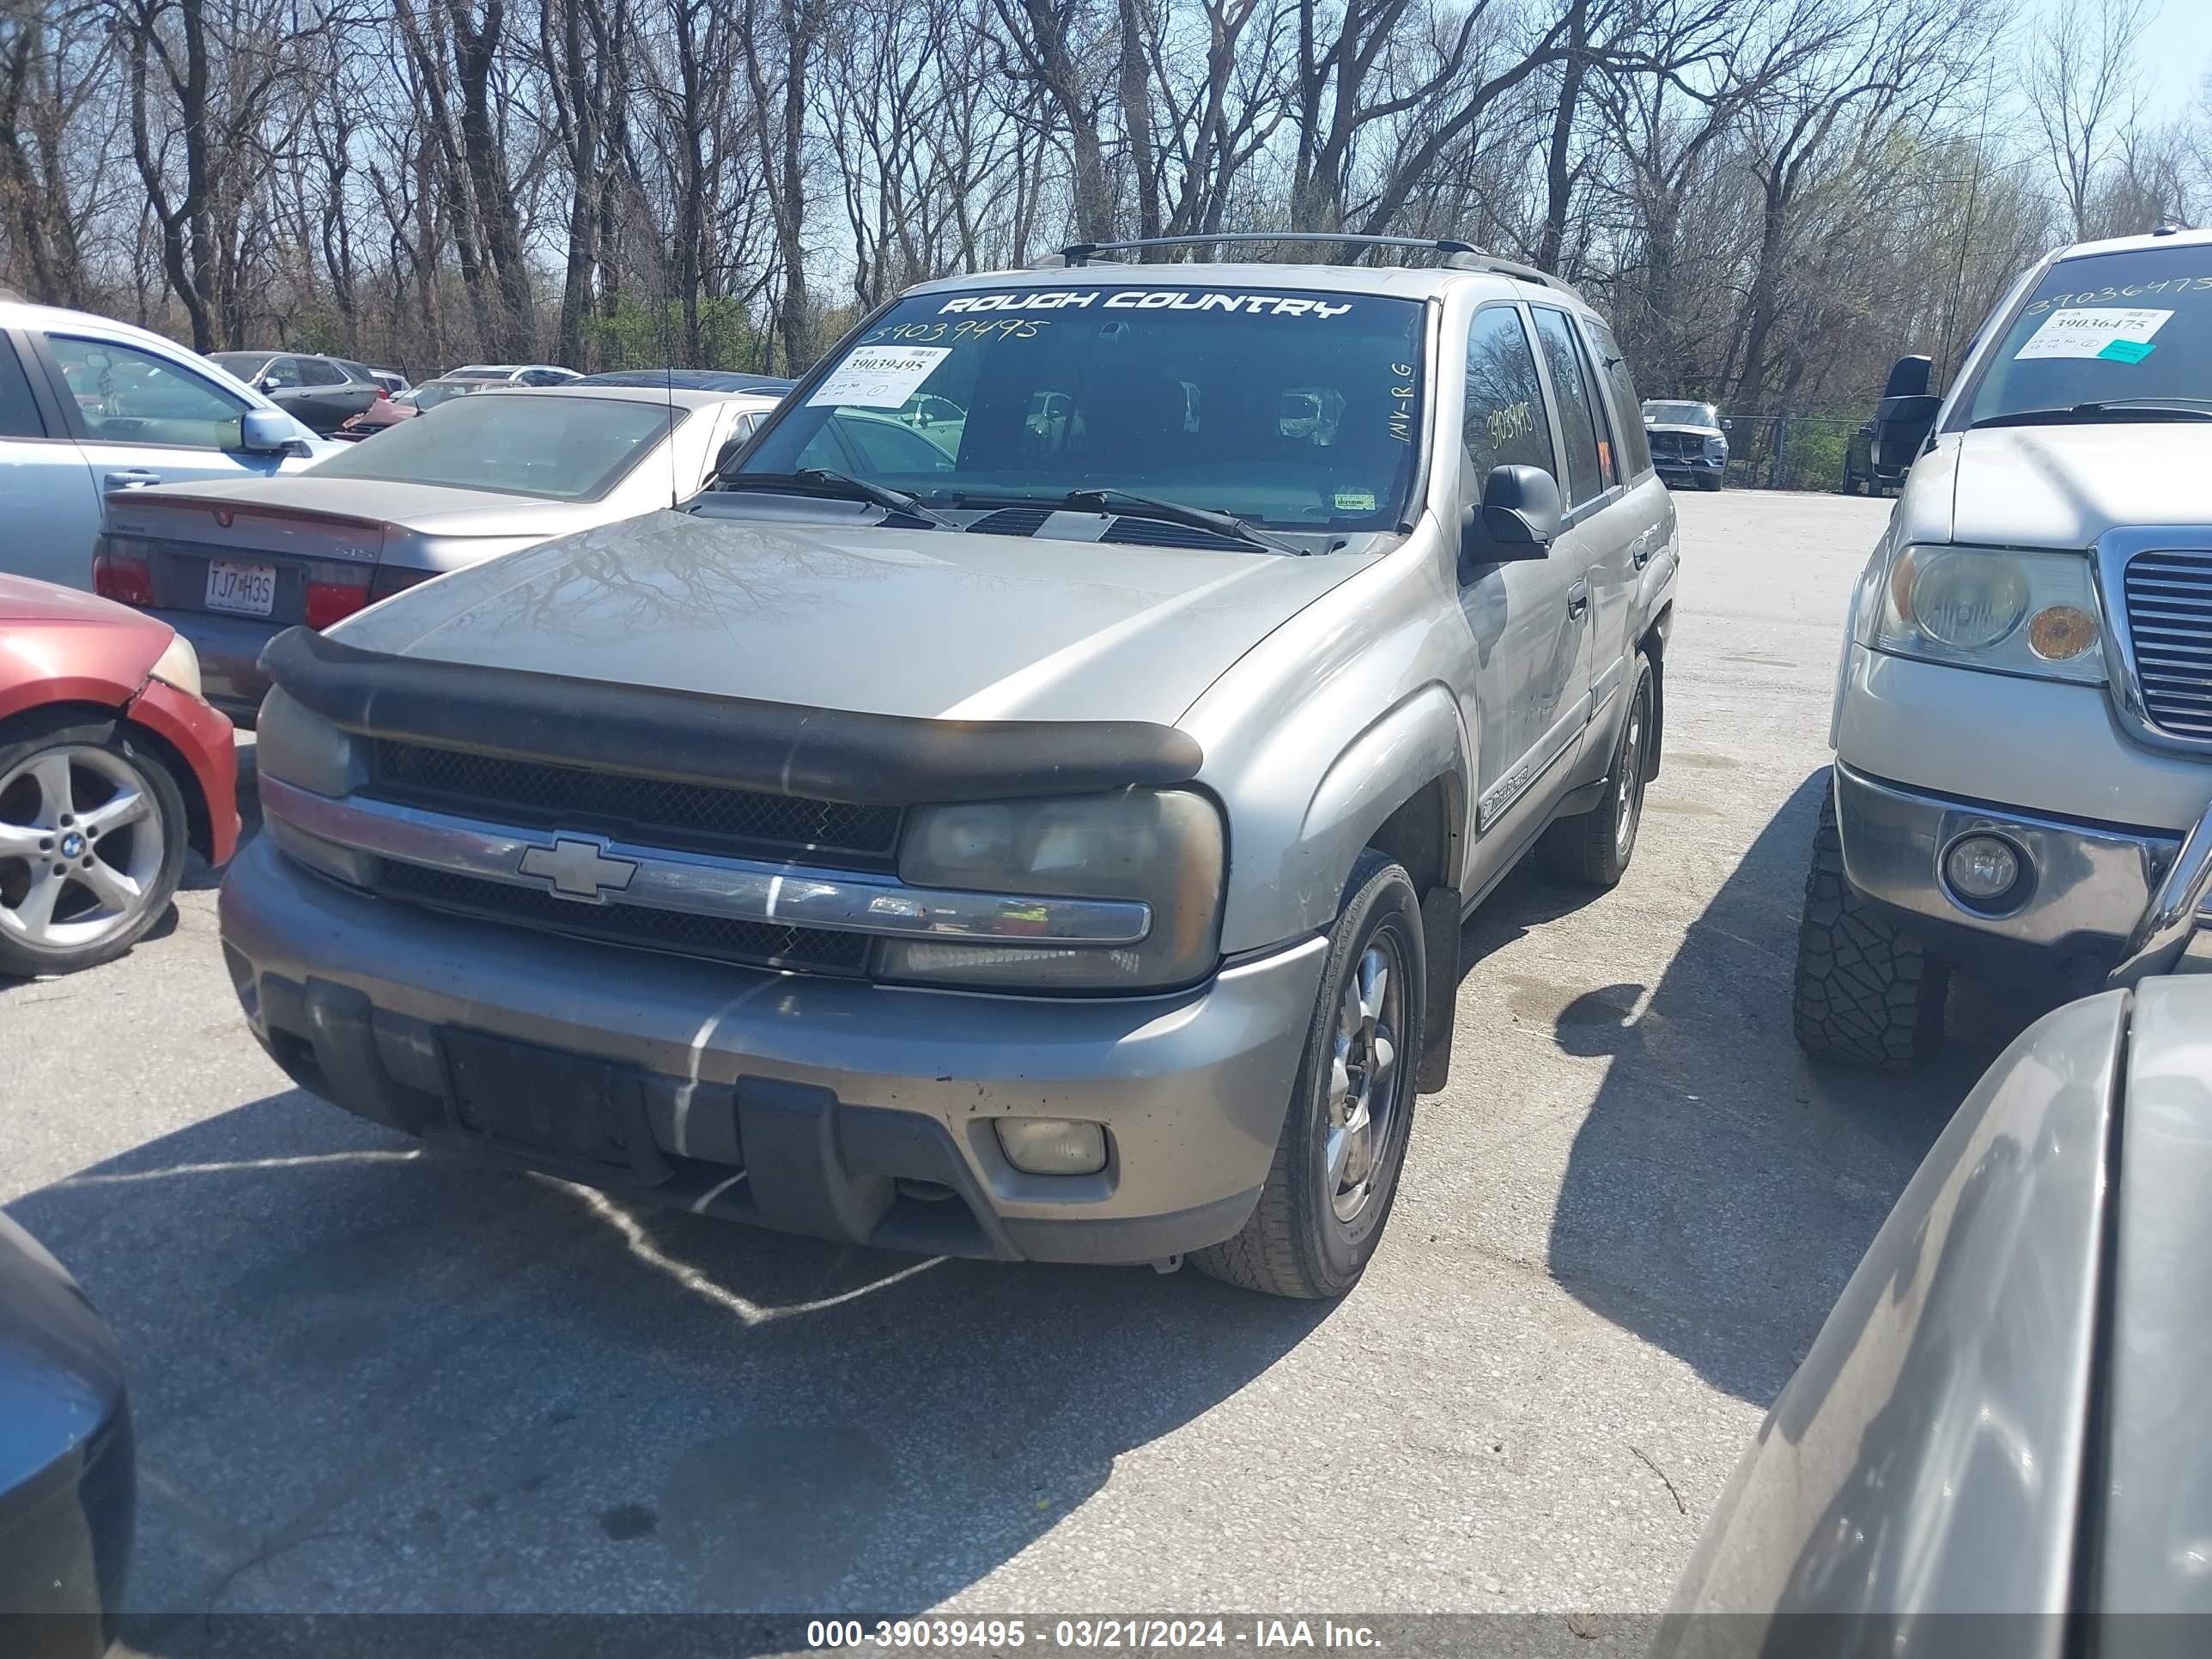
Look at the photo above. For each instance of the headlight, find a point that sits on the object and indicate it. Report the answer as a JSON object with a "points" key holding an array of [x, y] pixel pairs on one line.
{"points": [[1986, 607], [296, 747], [1164, 847], [179, 665], [1717, 446]]}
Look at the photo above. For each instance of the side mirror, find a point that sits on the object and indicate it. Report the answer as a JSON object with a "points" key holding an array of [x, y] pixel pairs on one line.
{"points": [[1728, 425], [1519, 518], [265, 432], [1908, 378], [727, 456]]}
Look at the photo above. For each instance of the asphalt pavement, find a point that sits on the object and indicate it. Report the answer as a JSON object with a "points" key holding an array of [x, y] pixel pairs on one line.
{"points": [[367, 1379]]}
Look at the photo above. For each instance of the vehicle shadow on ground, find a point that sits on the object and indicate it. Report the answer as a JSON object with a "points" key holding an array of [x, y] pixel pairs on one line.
{"points": [[369, 1377], [1723, 1187]]}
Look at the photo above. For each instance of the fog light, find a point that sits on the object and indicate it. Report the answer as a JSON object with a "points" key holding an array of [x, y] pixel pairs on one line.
{"points": [[1982, 867], [1053, 1146]]}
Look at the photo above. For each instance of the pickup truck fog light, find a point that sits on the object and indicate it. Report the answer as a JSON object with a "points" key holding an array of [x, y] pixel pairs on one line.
{"points": [[1053, 1146], [1982, 868]]}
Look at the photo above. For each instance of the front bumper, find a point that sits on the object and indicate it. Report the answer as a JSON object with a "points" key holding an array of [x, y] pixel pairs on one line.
{"points": [[229, 649], [2090, 890], [1689, 466], [816, 1105]]}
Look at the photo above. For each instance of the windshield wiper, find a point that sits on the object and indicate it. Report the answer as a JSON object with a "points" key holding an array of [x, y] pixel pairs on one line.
{"points": [[2151, 408], [1194, 518], [839, 483]]}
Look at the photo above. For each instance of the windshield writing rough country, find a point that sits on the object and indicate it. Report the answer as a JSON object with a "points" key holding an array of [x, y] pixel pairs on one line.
{"points": [[2130, 327], [1296, 410]]}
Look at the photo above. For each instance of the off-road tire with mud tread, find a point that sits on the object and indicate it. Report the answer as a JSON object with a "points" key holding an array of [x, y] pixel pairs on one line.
{"points": [[1866, 992]]}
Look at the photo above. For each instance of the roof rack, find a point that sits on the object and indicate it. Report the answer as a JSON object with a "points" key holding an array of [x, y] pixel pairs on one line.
{"points": [[1458, 255]]}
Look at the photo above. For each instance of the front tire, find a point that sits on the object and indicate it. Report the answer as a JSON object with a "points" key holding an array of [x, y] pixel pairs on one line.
{"points": [[1592, 848], [92, 843], [1866, 992], [1335, 1173]]}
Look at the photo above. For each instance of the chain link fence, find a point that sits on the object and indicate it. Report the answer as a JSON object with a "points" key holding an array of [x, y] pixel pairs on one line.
{"points": [[1787, 452]]}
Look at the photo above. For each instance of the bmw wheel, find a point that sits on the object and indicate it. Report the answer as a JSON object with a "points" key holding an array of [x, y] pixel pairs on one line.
{"points": [[92, 843]]}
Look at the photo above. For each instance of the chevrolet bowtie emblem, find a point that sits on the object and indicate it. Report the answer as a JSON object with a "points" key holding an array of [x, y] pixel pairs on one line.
{"points": [[578, 870]]}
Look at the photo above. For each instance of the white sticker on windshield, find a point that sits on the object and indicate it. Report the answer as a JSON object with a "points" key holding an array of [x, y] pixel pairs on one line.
{"points": [[879, 377], [2119, 332]]}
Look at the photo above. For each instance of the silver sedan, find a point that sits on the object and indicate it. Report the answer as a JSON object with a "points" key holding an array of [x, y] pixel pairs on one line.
{"points": [[230, 565]]}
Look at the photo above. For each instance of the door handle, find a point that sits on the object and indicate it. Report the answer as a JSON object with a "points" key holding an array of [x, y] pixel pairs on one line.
{"points": [[1578, 599], [130, 478]]}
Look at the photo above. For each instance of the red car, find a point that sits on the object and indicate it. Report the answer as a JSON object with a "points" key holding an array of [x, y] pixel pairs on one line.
{"points": [[110, 766]]}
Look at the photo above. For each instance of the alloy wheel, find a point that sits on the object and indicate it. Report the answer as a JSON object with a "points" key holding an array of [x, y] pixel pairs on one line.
{"points": [[81, 847], [1365, 1091]]}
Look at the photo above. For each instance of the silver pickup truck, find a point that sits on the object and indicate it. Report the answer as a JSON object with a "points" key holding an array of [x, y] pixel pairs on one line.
{"points": [[2023, 712], [1042, 831]]}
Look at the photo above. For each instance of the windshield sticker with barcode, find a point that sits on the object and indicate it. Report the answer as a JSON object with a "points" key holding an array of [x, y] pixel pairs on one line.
{"points": [[2117, 333], [878, 377], [1137, 299]]}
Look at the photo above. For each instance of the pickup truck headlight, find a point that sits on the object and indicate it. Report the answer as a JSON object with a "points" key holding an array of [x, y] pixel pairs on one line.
{"points": [[1164, 847], [302, 749], [2033, 614]]}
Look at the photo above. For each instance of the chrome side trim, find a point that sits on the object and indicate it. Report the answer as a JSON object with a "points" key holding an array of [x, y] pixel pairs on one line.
{"points": [[2108, 566], [2162, 932], [743, 890]]}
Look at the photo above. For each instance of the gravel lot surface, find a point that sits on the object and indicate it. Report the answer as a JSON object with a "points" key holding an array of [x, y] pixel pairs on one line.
{"points": [[369, 1380]]}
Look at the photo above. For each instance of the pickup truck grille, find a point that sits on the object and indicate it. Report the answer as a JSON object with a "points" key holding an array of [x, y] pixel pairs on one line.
{"points": [[662, 811], [756, 944], [1677, 446], [2169, 600]]}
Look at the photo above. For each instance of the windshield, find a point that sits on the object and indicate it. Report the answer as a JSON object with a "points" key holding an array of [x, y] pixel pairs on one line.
{"points": [[2134, 326], [1295, 410], [436, 393], [1657, 413], [559, 448]]}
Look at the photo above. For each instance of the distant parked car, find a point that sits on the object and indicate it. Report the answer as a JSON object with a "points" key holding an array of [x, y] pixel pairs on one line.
{"points": [[405, 406], [2004, 1413], [514, 373], [1689, 443], [492, 472], [393, 380], [1882, 451], [325, 392], [111, 765], [692, 380], [69, 1488], [88, 405]]}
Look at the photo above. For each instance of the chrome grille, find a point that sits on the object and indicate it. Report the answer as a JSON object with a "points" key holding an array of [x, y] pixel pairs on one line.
{"points": [[2169, 599], [756, 944], [663, 811]]}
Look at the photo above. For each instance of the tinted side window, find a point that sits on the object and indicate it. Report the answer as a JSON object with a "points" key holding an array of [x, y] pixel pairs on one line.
{"points": [[120, 394], [313, 371], [19, 411], [1578, 418], [1628, 422], [1504, 424]]}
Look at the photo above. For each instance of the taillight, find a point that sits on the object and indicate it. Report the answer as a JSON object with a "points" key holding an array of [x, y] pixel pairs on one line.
{"points": [[330, 602], [390, 580], [381, 394], [120, 577]]}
